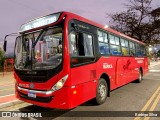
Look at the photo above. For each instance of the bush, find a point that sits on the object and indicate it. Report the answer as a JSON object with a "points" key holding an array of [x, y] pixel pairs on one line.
{"points": [[2, 58]]}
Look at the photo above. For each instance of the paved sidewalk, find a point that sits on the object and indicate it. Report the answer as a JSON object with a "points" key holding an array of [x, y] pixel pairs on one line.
{"points": [[7, 96], [6, 79]]}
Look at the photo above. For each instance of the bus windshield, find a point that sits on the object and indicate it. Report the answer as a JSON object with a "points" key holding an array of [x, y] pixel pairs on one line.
{"points": [[39, 50]]}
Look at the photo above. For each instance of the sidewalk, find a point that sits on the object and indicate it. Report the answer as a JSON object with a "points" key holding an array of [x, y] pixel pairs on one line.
{"points": [[7, 97]]}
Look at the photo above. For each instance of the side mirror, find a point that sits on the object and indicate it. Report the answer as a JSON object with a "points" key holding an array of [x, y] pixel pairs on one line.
{"points": [[5, 46]]}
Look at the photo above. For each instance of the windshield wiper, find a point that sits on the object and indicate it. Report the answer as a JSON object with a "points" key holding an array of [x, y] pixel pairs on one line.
{"points": [[40, 34]]}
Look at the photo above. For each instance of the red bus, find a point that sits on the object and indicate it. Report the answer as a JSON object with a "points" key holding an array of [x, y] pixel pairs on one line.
{"points": [[63, 60]]}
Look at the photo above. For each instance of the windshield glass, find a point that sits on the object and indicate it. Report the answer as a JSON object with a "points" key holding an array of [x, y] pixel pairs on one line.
{"points": [[39, 50]]}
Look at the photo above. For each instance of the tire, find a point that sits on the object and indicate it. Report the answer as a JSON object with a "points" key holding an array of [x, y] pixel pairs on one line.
{"points": [[139, 80], [101, 92]]}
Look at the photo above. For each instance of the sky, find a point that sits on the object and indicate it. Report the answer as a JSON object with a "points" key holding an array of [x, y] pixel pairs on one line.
{"points": [[16, 12]]}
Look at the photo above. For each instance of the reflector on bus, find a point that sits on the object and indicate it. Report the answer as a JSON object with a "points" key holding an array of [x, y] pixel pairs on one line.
{"points": [[39, 22]]}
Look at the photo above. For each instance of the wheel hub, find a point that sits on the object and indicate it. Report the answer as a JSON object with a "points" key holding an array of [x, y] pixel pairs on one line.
{"points": [[102, 91]]}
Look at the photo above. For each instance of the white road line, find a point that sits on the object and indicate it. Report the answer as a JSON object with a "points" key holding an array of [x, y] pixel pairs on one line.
{"points": [[8, 102], [154, 70]]}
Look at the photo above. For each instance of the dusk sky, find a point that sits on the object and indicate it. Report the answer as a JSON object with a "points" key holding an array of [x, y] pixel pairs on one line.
{"points": [[16, 12]]}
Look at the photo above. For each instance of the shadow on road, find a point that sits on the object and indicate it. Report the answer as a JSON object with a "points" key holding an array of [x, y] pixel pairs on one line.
{"points": [[45, 112]]}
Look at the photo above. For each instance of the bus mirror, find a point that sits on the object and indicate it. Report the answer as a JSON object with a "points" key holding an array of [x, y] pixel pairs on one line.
{"points": [[5, 45]]}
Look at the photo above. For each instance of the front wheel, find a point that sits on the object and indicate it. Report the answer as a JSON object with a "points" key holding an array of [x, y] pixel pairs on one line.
{"points": [[101, 92]]}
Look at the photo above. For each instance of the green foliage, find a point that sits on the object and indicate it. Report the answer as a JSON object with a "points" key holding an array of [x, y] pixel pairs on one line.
{"points": [[2, 58], [137, 21]]}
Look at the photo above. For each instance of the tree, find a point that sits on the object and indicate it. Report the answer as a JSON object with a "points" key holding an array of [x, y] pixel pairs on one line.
{"points": [[2, 58], [137, 21]]}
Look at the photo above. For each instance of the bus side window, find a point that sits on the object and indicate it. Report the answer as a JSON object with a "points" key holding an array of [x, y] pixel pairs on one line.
{"points": [[73, 46], [124, 45], [85, 44], [103, 43], [132, 48]]}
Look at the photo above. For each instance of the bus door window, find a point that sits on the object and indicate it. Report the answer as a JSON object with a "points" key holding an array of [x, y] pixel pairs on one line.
{"points": [[81, 48], [73, 44], [85, 45]]}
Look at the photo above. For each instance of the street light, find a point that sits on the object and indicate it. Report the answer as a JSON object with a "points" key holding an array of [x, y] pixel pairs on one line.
{"points": [[150, 49], [106, 26]]}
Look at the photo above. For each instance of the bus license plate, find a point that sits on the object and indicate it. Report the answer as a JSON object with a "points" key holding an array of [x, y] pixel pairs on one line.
{"points": [[31, 94]]}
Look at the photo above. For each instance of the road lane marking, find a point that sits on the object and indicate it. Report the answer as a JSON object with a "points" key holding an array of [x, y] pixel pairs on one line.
{"points": [[154, 70], [1, 85], [6, 95], [149, 102], [153, 106], [8, 102]]}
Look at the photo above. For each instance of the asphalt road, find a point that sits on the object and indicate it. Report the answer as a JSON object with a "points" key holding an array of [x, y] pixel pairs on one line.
{"points": [[144, 96]]}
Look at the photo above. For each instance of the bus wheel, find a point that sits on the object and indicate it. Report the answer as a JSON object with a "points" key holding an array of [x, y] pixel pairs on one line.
{"points": [[140, 76], [102, 92]]}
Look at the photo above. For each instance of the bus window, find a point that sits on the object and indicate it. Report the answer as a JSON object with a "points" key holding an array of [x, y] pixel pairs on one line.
{"points": [[125, 49], [103, 43], [143, 51], [73, 47], [115, 50], [81, 48], [104, 49], [117, 40], [111, 38], [85, 45], [105, 36], [100, 36], [138, 50], [132, 48]]}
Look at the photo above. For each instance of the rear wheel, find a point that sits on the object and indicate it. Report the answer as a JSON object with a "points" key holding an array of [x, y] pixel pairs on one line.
{"points": [[102, 92], [140, 76]]}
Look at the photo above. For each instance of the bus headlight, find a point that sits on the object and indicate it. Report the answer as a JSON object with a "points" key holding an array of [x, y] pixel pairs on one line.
{"points": [[60, 83]]}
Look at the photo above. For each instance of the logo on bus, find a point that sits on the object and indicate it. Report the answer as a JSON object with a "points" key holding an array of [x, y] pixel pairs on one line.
{"points": [[126, 66], [139, 61], [106, 66], [31, 85]]}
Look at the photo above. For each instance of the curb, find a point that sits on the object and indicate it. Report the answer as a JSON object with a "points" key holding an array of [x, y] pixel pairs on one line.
{"points": [[11, 103]]}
